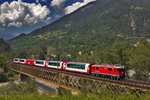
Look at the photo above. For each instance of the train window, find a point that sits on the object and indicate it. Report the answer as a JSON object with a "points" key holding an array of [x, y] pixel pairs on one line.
{"points": [[77, 66], [16, 59], [54, 63], [40, 62], [31, 61], [97, 68], [109, 69], [21, 60], [93, 67], [115, 69], [120, 70]]}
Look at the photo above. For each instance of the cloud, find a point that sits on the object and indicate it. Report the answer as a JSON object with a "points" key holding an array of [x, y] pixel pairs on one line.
{"points": [[76, 6], [37, 1], [58, 5], [17, 24], [47, 21], [19, 13], [44, 0]]}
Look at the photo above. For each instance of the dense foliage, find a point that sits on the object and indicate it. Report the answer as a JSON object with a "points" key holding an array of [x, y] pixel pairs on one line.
{"points": [[27, 87], [133, 56], [5, 73], [140, 60], [4, 47]]}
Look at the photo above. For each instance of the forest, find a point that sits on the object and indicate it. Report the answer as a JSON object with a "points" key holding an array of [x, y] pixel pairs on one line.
{"points": [[133, 56]]}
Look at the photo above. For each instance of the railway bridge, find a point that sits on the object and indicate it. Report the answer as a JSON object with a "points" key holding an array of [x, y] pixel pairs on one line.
{"points": [[85, 83]]}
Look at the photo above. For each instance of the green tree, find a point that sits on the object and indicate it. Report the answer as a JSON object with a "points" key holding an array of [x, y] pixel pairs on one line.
{"points": [[2, 62], [4, 47], [51, 53], [118, 53], [33, 52], [84, 56], [24, 54], [3, 69], [140, 61], [42, 51]]}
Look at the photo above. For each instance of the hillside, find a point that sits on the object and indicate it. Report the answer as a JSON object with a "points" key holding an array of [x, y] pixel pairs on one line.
{"points": [[4, 47], [94, 25]]}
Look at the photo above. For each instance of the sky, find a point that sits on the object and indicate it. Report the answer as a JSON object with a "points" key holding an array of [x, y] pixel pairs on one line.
{"points": [[24, 16]]}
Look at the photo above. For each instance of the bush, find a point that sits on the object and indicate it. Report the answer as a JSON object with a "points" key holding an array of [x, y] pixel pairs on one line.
{"points": [[22, 88]]}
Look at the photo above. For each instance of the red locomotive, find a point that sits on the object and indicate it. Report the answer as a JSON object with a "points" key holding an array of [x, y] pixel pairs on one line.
{"points": [[109, 71]]}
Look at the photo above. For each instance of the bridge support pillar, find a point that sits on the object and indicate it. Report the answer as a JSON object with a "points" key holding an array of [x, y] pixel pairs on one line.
{"points": [[22, 77], [58, 91]]}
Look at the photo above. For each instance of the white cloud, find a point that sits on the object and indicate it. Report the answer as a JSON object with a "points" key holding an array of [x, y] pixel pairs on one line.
{"points": [[47, 21], [76, 6], [58, 3], [44, 0], [48, 18], [19, 13], [19, 0], [37, 1], [17, 24]]}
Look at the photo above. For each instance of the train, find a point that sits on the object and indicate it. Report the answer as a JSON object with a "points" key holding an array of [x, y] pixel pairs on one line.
{"points": [[106, 71]]}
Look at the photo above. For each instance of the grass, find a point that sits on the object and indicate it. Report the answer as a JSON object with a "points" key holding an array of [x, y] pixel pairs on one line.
{"points": [[1, 70], [34, 96], [28, 91], [45, 97]]}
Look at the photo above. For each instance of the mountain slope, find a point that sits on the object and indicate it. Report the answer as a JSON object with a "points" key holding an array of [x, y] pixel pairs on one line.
{"points": [[4, 47], [138, 1], [94, 25]]}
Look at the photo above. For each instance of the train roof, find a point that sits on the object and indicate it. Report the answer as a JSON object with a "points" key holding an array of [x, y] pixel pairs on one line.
{"points": [[110, 66], [40, 60], [78, 63], [16, 58], [54, 61], [23, 58]]}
